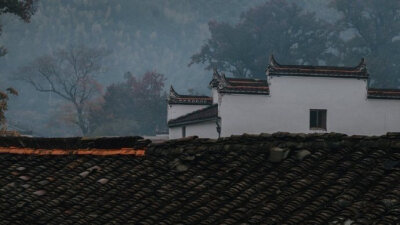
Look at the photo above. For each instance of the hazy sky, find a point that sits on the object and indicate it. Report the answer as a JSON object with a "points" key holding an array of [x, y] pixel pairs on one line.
{"points": [[148, 35]]}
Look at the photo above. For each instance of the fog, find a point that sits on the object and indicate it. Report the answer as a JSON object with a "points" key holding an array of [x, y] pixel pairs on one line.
{"points": [[154, 35], [142, 35]]}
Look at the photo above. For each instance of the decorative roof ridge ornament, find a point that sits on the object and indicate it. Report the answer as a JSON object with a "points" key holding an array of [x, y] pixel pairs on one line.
{"points": [[215, 79], [273, 62], [216, 74], [172, 93], [223, 82], [362, 66]]}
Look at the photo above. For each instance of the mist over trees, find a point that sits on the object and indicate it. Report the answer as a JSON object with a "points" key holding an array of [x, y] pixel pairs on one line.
{"points": [[137, 105], [24, 9], [143, 36], [367, 29], [276, 27], [374, 27], [70, 74], [235, 36]]}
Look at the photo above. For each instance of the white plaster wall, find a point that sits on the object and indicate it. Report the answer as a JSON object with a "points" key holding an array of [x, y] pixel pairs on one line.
{"points": [[215, 95], [202, 130], [176, 110], [384, 116], [288, 108], [175, 132]]}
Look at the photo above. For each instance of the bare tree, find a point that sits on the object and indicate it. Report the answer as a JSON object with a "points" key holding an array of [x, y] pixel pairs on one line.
{"points": [[69, 73]]}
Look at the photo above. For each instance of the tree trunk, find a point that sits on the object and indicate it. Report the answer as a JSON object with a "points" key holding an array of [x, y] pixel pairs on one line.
{"points": [[81, 120]]}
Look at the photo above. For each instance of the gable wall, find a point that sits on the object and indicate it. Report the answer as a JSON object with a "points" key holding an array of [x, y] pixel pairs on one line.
{"points": [[215, 95]]}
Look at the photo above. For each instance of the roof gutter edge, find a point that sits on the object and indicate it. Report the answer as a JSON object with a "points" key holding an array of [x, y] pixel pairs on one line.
{"points": [[193, 122]]}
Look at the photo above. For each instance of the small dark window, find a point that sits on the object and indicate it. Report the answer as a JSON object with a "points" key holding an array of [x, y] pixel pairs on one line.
{"points": [[183, 131], [318, 119]]}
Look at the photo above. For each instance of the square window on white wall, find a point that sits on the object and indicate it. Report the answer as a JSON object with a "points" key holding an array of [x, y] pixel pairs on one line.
{"points": [[318, 119]]}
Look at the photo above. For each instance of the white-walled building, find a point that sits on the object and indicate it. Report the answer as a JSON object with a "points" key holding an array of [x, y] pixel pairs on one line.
{"points": [[190, 115], [293, 98]]}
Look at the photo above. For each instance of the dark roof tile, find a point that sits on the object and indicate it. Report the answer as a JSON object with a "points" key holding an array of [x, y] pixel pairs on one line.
{"points": [[201, 115], [175, 98], [239, 85], [384, 93], [349, 182]]}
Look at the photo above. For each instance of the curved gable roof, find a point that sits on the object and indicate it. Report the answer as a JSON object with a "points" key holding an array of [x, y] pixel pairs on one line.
{"points": [[276, 69], [239, 85], [383, 93], [175, 98]]}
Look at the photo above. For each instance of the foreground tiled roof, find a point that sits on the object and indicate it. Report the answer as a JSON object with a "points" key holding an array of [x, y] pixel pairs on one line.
{"points": [[201, 115], [384, 93], [239, 85], [275, 69], [324, 179], [74, 143], [175, 98]]}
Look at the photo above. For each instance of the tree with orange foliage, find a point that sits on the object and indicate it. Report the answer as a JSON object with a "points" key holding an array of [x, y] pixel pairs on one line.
{"points": [[136, 106]]}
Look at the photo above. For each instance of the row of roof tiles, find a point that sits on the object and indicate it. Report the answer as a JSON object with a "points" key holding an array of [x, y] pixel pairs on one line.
{"points": [[175, 98], [209, 113], [103, 152], [239, 85], [276, 69], [230, 181], [383, 93]]}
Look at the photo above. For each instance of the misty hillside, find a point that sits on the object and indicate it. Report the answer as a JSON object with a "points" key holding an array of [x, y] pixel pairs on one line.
{"points": [[142, 35]]}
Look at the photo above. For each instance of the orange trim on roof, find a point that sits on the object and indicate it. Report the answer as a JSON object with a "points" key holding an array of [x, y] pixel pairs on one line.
{"points": [[99, 152]]}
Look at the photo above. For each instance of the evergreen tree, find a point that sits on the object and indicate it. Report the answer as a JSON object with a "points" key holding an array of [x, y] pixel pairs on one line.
{"points": [[276, 27], [136, 106], [23, 9], [373, 27]]}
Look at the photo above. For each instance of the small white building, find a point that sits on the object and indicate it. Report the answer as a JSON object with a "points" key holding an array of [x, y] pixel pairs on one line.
{"points": [[292, 98]]}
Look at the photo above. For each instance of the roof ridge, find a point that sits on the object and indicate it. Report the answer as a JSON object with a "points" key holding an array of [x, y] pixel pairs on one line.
{"points": [[384, 89], [275, 64], [375, 93], [358, 71], [174, 94], [93, 151], [170, 146], [175, 98]]}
